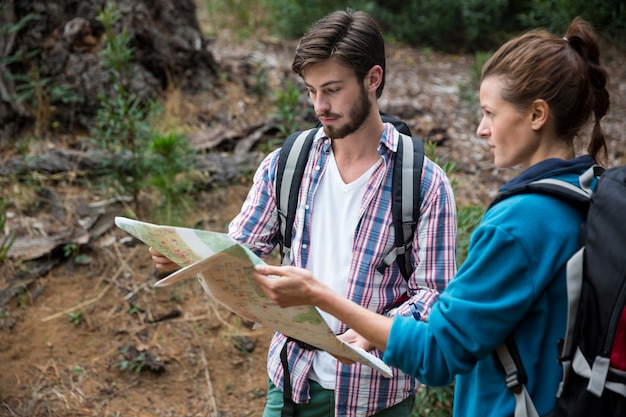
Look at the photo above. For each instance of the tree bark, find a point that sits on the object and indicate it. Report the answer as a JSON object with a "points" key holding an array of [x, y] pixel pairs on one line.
{"points": [[64, 39]]}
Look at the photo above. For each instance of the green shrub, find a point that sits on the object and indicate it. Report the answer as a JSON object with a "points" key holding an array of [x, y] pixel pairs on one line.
{"points": [[172, 164], [139, 157], [298, 16], [446, 25], [453, 25], [609, 17], [123, 121]]}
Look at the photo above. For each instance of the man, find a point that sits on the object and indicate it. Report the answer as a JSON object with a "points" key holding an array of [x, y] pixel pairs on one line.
{"points": [[343, 227]]}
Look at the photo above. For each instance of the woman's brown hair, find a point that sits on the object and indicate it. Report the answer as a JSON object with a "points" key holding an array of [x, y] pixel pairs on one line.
{"points": [[565, 72]]}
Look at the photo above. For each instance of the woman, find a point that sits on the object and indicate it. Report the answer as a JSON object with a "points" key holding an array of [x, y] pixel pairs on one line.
{"points": [[537, 92]]}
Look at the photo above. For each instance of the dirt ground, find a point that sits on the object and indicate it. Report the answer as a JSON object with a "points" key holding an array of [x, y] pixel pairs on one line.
{"points": [[69, 350], [96, 339]]}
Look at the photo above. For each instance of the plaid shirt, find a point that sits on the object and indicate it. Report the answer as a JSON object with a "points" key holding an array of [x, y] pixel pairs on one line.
{"points": [[359, 390]]}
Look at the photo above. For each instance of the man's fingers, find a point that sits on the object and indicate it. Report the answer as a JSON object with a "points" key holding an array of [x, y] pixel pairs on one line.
{"points": [[343, 360]]}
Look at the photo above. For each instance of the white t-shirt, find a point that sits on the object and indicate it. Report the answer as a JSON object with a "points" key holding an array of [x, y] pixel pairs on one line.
{"points": [[333, 225]]}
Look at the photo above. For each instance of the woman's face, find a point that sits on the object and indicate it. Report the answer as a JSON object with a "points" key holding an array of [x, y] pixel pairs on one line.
{"points": [[508, 131]]}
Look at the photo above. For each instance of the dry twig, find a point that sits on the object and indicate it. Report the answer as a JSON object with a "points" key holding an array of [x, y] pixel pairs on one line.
{"points": [[210, 394]]}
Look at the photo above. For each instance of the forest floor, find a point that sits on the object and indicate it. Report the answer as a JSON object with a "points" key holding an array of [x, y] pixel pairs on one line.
{"points": [[96, 339]]}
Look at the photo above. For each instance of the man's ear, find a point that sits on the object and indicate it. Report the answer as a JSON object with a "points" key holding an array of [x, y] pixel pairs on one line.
{"points": [[539, 113], [373, 78]]}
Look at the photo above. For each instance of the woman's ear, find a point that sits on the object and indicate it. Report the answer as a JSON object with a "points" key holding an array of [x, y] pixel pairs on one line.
{"points": [[539, 113]]}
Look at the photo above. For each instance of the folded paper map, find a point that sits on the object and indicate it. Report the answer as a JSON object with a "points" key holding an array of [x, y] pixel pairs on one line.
{"points": [[224, 269]]}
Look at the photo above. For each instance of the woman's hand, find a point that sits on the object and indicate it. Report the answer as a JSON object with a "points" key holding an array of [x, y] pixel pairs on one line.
{"points": [[288, 286]]}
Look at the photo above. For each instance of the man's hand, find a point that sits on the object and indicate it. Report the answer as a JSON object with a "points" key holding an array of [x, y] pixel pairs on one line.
{"points": [[353, 338], [161, 263]]}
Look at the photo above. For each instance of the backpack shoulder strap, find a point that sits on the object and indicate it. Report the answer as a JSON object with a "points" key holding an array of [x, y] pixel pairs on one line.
{"points": [[549, 186], [400, 125], [507, 357], [291, 164], [406, 202], [577, 196]]}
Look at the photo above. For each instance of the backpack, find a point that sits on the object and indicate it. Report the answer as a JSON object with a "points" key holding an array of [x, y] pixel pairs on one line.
{"points": [[405, 205], [593, 350]]}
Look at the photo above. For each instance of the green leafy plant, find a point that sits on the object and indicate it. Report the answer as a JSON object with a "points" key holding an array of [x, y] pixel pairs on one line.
{"points": [[82, 259], [288, 105], [607, 16], [69, 249], [434, 401], [42, 94], [259, 86], [78, 370], [135, 364], [452, 25], [76, 317], [73, 249], [123, 121], [133, 309], [22, 297], [468, 218], [296, 16], [139, 157], [171, 174], [288, 116]]}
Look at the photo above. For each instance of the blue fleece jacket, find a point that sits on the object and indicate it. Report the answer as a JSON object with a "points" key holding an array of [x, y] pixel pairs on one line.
{"points": [[513, 281]]}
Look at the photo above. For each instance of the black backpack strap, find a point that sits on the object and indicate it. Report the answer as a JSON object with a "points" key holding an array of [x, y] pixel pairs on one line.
{"points": [[291, 164], [398, 124], [289, 405], [406, 202]]}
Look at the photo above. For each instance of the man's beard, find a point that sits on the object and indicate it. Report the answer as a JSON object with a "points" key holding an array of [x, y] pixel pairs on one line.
{"points": [[357, 116]]}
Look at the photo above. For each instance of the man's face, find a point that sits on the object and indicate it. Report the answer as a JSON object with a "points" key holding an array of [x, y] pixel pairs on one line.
{"points": [[340, 100]]}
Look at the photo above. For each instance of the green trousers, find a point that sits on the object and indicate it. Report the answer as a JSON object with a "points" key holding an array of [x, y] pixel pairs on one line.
{"points": [[322, 404]]}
